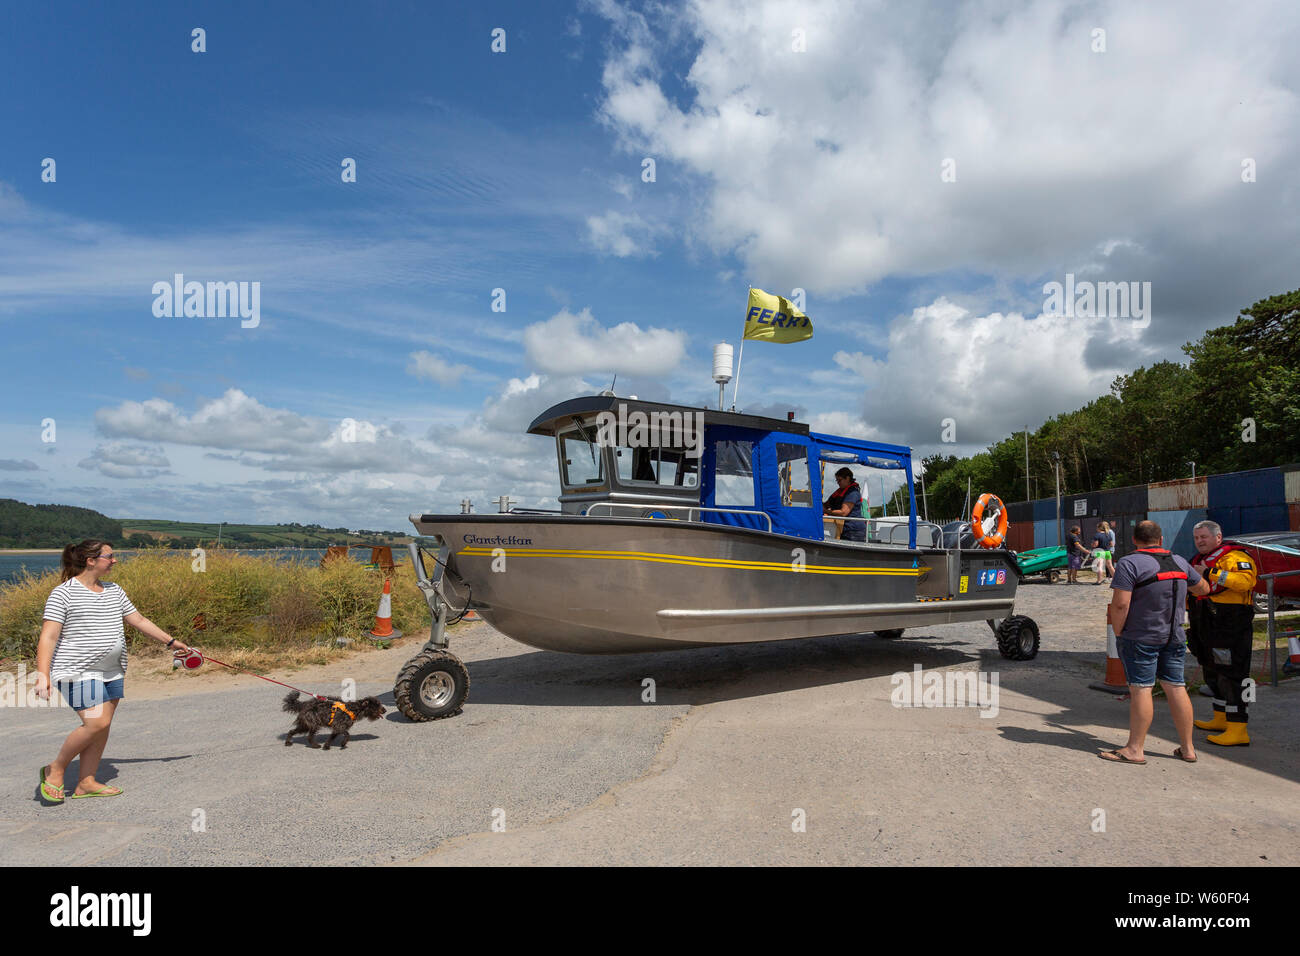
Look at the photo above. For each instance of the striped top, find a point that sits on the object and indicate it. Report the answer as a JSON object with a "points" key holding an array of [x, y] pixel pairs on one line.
{"points": [[92, 644]]}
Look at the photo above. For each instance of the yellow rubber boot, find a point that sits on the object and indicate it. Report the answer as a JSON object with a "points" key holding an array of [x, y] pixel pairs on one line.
{"points": [[1218, 722], [1234, 736]]}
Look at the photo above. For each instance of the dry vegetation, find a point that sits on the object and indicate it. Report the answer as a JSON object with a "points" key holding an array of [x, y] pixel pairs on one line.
{"points": [[259, 612]]}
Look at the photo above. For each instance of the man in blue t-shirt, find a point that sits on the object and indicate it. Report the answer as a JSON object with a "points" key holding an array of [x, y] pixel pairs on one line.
{"points": [[1150, 590], [846, 502]]}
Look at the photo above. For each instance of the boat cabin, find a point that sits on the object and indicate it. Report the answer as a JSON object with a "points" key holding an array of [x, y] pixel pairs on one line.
{"points": [[624, 457]]}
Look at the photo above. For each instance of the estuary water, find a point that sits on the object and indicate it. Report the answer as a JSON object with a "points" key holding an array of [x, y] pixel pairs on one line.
{"points": [[11, 565]]}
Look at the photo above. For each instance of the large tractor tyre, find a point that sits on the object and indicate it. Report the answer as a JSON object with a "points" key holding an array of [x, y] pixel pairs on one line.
{"points": [[431, 685], [1018, 638], [892, 634]]}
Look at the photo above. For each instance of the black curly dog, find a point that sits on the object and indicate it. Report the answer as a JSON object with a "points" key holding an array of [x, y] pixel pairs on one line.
{"points": [[332, 714]]}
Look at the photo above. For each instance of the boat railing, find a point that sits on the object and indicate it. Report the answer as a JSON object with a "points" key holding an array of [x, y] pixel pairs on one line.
{"points": [[875, 527], [648, 509], [1273, 632]]}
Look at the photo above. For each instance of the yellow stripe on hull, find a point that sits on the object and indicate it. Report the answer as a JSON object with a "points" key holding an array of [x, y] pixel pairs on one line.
{"points": [[688, 560]]}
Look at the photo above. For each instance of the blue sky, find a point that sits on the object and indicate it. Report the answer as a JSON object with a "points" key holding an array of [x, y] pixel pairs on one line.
{"points": [[819, 168]]}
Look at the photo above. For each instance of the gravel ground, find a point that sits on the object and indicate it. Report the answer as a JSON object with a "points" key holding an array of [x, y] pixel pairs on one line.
{"points": [[563, 756]]}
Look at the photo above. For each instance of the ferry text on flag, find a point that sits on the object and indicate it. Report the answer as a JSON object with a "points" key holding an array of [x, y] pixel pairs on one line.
{"points": [[771, 318]]}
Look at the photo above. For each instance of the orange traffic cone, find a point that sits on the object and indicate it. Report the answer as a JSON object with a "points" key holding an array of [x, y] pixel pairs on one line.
{"points": [[384, 618], [1115, 681]]}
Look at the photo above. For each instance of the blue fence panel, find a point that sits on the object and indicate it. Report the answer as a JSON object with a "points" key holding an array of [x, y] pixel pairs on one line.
{"points": [[1044, 508], [1177, 529], [1263, 486], [1045, 534]]}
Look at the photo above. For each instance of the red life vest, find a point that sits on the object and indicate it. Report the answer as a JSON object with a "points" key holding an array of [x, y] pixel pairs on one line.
{"points": [[1207, 565], [836, 500]]}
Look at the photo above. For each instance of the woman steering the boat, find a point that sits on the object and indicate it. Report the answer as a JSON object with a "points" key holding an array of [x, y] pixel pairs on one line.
{"points": [[846, 502]]}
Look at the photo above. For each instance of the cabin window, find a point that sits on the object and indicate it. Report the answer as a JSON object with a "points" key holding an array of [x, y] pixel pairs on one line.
{"points": [[657, 466], [792, 469], [580, 460], [734, 475]]}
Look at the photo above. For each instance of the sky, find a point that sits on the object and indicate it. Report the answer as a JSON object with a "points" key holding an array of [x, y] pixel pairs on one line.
{"points": [[547, 195]]}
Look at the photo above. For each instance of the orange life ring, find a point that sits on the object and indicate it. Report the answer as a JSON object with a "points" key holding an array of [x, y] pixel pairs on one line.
{"points": [[977, 525]]}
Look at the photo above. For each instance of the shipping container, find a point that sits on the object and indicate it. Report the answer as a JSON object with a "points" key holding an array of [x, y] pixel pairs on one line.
{"points": [[1123, 526], [1291, 484], [1123, 501], [1044, 508], [1020, 536], [1075, 508], [1228, 520], [1021, 511], [1183, 495], [1263, 518], [1263, 486], [1177, 527], [1045, 534]]}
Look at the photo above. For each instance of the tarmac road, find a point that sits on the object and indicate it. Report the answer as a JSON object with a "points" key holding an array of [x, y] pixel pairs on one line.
{"points": [[564, 757]]}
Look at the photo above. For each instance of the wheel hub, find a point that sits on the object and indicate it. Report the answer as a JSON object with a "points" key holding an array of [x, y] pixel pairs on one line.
{"points": [[437, 689]]}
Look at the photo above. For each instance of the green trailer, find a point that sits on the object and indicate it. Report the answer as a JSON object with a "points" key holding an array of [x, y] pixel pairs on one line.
{"points": [[1048, 562]]}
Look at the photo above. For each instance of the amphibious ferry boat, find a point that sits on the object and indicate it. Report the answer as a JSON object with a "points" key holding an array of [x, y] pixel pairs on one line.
{"points": [[687, 527]]}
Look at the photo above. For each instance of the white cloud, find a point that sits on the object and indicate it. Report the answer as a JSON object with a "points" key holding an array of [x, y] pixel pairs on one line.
{"points": [[427, 365], [992, 374], [822, 169], [10, 464], [621, 234], [235, 420], [120, 460], [572, 344]]}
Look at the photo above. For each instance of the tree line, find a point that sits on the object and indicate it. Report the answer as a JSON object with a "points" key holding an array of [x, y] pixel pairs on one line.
{"points": [[1234, 405]]}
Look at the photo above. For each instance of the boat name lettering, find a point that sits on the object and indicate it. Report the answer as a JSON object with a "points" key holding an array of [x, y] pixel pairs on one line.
{"points": [[639, 429], [499, 539]]}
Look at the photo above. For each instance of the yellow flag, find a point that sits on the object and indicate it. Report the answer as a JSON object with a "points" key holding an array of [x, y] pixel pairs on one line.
{"points": [[772, 318]]}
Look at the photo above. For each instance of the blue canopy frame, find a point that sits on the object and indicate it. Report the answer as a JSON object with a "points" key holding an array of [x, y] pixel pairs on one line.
{"points": [[759, 449]]}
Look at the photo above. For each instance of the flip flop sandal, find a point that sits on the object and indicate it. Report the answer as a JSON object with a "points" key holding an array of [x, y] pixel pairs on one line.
{"points": [[48, 790], [1178, 752], [104, 791], [1114, 756]]}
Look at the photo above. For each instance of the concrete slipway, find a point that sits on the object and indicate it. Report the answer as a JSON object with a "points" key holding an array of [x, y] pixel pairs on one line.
{"points": [[563, 753]]}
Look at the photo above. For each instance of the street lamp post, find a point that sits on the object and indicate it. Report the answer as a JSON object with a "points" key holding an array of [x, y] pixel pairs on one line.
{"points": [[1193, 464], [1056, 468]]}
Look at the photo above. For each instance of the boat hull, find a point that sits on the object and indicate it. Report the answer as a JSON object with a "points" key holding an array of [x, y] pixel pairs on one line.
{"points": [[610, 585]]}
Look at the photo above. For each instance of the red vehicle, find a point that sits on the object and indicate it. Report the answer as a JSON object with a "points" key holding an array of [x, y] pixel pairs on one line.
{"points": [[1273, 553]]}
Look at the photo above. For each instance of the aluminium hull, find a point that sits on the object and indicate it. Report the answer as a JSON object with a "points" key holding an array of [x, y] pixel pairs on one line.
{"points": [[624, 585]]}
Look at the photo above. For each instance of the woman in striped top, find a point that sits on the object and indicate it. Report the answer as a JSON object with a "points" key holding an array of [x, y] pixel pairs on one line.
{"points": [[82, 649]]}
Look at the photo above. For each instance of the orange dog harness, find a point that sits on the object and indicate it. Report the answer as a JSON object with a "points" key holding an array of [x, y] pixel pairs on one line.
{"points": [[339, 706]]}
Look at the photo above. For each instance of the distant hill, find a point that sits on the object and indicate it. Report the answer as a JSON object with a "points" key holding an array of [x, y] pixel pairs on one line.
{"points": [[187, 534], [54, 526]]}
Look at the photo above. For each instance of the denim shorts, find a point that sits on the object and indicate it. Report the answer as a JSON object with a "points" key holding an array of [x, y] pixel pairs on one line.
{"points": [[1144, 664], [83, 695]]}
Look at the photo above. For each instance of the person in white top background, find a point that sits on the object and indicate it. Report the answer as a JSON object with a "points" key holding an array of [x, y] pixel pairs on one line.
{"points": [[82, 650]]}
